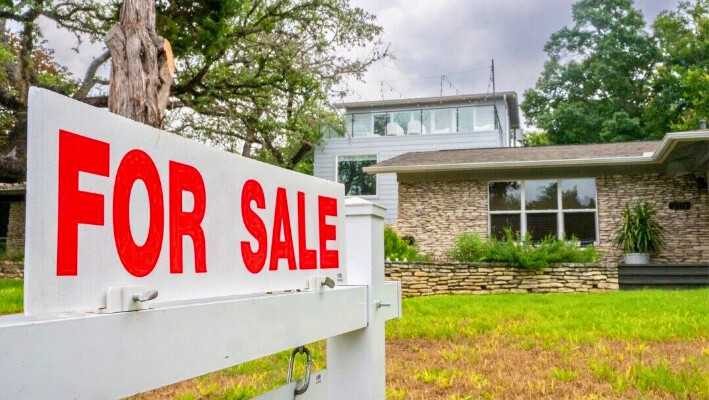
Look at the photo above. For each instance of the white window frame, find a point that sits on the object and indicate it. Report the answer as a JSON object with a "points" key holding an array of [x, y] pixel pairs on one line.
{"points": [[522, 212], [376, 176]]}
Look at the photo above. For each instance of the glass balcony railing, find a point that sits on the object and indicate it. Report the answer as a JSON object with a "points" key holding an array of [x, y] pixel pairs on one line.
{"points": [[421, 122]]}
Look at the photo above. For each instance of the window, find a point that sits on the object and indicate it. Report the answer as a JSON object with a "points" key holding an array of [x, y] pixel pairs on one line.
{"points": [[380, 124], [443, 121], [541, 208], [361, 125], [484, 119], [466, 119], [402, 119], [356, 181]]}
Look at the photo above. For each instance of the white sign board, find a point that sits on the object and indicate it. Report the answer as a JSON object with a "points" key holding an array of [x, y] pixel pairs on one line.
{"points": [[112, 202]]}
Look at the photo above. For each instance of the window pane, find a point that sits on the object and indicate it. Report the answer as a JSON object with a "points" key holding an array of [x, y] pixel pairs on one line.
{"points": [[356, 181], [402, 119], [426, 117], [581, 225], [484, 119], [578, 193], [361, 125], [504, 196], [540, 226], [540, 195], [380, 124], [466, 119], [499, 222], [442, 120]]}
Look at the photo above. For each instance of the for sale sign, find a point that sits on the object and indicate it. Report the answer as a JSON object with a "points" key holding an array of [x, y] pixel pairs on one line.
{"points": [[112, 202]]}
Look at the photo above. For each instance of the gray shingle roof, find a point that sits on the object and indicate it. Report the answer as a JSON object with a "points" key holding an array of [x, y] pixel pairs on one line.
{"points": [[521, 154]]}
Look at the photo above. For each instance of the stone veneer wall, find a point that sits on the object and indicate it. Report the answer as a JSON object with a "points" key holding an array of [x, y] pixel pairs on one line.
{"points": [[422, 279], [687, 238], [12, 270], [16, 228], [436, 212]]}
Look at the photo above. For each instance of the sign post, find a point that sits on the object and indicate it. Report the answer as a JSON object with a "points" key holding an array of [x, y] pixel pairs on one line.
{"points": [[151, 259]]}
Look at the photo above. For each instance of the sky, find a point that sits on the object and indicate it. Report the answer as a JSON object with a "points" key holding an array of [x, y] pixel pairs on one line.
{"points": [[430, 38]]}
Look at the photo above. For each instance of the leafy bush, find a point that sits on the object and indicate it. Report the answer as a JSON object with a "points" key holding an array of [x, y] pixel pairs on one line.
{"points": [[640, 232], [396, 248], [520, 251]]}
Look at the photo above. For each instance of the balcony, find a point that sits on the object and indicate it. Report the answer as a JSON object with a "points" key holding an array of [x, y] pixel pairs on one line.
{"points": [[427, 121]]}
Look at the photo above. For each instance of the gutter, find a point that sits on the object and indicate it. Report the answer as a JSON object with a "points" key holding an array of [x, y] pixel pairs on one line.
{"points": [[657, 157]]}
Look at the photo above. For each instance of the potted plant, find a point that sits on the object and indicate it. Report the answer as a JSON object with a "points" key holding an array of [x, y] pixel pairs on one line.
{"points": [[640, 235]]}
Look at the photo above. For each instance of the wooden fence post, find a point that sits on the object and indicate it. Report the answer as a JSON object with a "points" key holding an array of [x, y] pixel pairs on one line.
{"points": [[355, 360]]}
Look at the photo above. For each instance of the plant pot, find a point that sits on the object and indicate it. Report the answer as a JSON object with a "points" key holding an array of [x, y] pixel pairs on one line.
{"points": [[637, 258]]}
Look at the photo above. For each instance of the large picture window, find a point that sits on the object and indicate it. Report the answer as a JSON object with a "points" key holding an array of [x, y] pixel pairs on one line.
{"points": [[541, 208], [356, 181]]}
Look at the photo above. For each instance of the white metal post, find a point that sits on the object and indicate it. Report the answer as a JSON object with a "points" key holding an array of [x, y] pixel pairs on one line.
{"points": [[355, 360]]}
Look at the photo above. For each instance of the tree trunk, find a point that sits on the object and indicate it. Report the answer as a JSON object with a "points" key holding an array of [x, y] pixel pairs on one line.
{"points": [[140, 73]]}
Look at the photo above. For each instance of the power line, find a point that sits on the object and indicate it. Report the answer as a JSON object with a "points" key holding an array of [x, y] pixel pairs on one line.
{"points": [[431, 76]]}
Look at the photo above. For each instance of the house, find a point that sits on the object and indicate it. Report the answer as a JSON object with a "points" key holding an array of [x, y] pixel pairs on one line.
{"points": [[571, 190], [379, 130], [12, 218]]}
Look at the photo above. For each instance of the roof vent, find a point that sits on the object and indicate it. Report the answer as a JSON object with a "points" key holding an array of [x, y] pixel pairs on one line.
{"points": [[702, 124], [648, 153]]}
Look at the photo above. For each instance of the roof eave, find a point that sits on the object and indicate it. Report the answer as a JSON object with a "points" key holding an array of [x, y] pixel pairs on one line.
{"points": [[657, 157]]}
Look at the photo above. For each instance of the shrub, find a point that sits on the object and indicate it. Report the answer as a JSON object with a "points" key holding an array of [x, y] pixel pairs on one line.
{"points": [[520, 251], [396, 248]]}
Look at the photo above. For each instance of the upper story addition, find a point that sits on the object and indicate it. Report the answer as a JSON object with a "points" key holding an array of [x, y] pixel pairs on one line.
{"points": [[378, 130], [462, 114]]}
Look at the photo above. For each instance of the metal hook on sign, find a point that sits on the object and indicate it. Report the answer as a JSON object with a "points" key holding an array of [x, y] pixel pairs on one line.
{"points": [[306, 379]]}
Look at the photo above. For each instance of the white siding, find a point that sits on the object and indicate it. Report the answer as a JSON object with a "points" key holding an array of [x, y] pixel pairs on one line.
{"points": [[386, 147]]}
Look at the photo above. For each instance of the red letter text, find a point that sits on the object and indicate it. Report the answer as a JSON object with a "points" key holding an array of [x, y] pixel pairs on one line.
{"points": [[138, 260], [327, 206], [77, 154], [254, 260], [186, 178]]}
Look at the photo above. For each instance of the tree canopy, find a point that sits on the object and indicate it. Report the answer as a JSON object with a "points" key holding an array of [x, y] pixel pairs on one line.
{"points": [[253, 76], [609, 78]]}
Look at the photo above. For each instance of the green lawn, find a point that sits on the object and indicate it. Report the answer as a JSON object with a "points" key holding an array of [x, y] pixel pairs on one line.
{"points": [[647, 344], [646, 315], [10, 296]]}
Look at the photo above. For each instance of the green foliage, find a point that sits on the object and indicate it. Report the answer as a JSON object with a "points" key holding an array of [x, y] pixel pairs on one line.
{"points": [[520, 251], [258, 74], [396, 248], [253, 77], [533, 139], [640, 232], [608, 79], [681, 87]]}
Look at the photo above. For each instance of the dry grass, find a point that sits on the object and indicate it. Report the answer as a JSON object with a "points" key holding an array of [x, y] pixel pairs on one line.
{"points": [[639, 345], [496, 367]]}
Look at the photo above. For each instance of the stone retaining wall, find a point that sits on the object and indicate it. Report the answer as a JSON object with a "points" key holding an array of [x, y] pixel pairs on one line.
{"points": [[12, 270], [422, 279]]}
